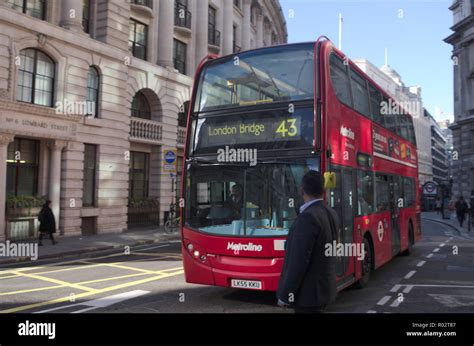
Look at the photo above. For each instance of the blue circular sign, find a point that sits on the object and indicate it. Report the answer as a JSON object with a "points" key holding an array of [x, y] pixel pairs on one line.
{"points": [[170, 157]]}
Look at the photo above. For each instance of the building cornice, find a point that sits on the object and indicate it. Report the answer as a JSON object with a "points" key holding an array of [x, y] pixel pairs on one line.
{"points": [[462, 122], [459, 27]]}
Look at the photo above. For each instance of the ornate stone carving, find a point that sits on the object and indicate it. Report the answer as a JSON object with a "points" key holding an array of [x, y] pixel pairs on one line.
{"points": [[42, 38], [6, 139], [57, 144]]}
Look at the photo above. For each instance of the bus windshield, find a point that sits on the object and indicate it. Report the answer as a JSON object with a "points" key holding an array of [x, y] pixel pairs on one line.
{"points": [[245, 201], [282, 73]]}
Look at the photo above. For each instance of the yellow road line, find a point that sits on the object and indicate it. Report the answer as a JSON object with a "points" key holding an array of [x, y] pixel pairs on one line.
{"points": [[67, 269], [87, 294], [58, 282], [154, 254], [78, 283], [87, 282], [117, 265], [31, 290], [19, 269], [8, 277]]}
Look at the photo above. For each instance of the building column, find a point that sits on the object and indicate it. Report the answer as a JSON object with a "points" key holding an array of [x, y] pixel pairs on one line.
{"points": [[228, 30], [165, 33], [54, 196], [259, 42], [71, 15], [246, 24], [5, 139], [202, 30]]}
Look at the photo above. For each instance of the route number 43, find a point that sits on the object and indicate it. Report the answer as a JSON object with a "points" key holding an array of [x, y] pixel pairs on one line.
{"points": [[288, 128]]}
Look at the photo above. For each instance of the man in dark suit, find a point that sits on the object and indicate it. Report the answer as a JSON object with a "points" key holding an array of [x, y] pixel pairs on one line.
{"points": [[308, 278]]}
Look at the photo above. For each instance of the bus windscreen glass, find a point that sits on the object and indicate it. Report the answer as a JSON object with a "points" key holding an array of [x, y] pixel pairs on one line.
{"points": [[245, 201]]}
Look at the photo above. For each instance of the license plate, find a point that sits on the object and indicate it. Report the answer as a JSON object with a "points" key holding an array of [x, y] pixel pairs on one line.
{"points": [[249, 284]]}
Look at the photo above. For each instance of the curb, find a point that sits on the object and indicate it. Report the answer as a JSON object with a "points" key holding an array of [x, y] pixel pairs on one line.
{"points": [[466, 234], [164, 238]]}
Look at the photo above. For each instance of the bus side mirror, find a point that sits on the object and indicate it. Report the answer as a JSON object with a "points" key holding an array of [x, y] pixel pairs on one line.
{"points": [[329, 180]]}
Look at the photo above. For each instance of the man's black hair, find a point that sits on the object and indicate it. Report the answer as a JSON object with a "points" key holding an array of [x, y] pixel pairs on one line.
{"points": [[313, 184]]}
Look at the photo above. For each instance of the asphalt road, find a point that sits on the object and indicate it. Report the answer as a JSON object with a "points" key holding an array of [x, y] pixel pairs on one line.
{"points": [[150, 280]]}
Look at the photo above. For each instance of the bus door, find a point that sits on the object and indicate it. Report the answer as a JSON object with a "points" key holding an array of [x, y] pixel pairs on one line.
{"points": [[394, 183], [341, 199]]}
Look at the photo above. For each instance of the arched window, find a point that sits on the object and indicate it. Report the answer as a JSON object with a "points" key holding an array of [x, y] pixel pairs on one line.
{"points": [[93, 84], [35, 78], [140, 106]]}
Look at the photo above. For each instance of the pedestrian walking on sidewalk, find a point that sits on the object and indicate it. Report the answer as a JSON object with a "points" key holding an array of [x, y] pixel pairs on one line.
{"points": [[47, 223], [461, 210]]}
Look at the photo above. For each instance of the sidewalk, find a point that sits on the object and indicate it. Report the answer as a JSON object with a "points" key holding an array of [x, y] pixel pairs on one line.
{"points": [[452, 221], [69, 246]]}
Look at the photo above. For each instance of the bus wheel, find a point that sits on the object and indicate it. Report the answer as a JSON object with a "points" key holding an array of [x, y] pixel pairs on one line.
{"points": [[366, 264], [411, 241]]}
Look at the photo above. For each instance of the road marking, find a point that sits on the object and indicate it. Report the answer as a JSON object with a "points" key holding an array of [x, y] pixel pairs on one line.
{"points": [[371, 312], [116, 265], [396, 302], [101, 302], [410, 274], [407, 289], [421, 264], [58, 282], [8, 277], [443, 286], [153, 247], [87, 294], [429, 255], [384, 300], [78, 267], [77, 283], [395, 288], [19, 269], [453, 300], [156, 255], [436, 250], [442, 244], [31, 290]]}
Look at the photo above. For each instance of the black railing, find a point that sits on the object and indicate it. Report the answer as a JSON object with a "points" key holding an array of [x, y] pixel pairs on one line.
{"points": [[214, 35], [182, 17], [147, 3]]}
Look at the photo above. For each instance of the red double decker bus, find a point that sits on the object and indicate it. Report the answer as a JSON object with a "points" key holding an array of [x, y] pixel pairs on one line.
{"points": [[258, 121]]}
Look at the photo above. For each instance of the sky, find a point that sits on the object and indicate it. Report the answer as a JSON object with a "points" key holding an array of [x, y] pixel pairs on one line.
{"points": [[412, 31]]}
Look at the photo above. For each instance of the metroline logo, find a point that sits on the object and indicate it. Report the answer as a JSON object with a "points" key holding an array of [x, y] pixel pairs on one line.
{"points": [[236, 247], [347, 132]]}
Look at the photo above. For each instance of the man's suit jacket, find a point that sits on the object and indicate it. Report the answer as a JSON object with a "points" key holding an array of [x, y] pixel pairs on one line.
{"points": [[307, 273]]}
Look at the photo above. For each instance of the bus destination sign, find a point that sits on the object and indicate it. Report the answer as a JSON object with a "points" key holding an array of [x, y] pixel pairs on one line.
{"points": [[247, 131]]}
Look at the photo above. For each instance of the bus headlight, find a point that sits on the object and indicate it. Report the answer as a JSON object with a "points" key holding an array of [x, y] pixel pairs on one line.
{"points": [[190, 247], [196, 253]]}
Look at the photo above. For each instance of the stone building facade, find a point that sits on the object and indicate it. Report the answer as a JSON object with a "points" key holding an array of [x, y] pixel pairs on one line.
{"points": [[439, 152], [462, 41], [91, 101], [392, 83]]}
